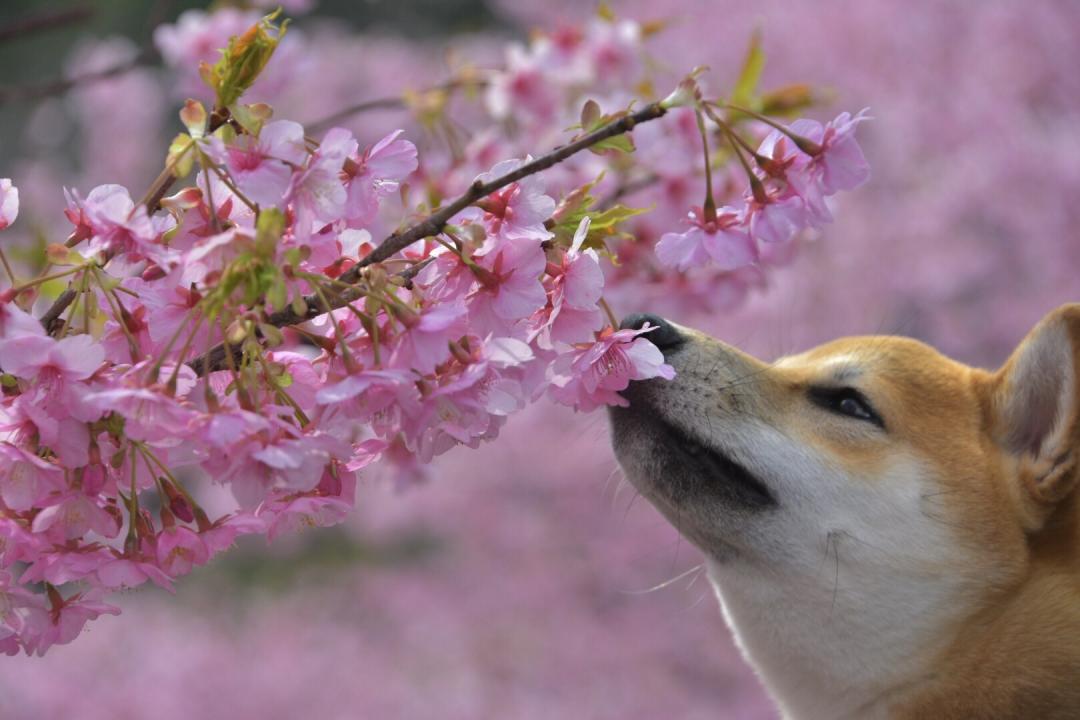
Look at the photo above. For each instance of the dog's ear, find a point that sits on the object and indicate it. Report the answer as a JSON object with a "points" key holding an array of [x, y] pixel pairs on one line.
{"points": [[1035, 409]]}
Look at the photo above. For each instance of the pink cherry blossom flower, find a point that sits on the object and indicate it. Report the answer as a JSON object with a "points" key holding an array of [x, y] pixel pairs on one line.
{"points": [[839, 163], [63, 566], [54, 366], [843, 165], [522, 87], [802, 176], [580, 281], [124, 572], [592, 375], [223, 533], [317, 193], [180, 549], [376, 173], [516, 212], [614, 48], [9, 203], [72, 515], [263, 166], [425, 341], [15, 322], [17, 543], [151, 415], [117, 225], [724, 241], [778, 219], [509, 286], [16, 604], [25, 479], [328, 505], [576, 287], [28, 418], [253, 466], [64, 621], [367, 392]]}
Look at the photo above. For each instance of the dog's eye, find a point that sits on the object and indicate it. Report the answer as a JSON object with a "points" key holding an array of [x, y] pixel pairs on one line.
{"points": [[845, 401]]}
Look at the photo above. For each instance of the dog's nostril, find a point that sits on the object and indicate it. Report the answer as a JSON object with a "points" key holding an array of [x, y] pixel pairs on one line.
{"points": [[665, 336]]}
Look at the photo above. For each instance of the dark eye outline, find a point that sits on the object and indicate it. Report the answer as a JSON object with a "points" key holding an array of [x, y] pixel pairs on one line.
{"points": [[845, 401]]}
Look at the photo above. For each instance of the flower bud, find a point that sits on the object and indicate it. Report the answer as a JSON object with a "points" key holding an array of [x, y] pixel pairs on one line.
{"points": [[687, 93], [182, 509]]}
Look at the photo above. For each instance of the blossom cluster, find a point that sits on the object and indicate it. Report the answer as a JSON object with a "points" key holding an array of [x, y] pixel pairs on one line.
{"points": [[249, 329]]}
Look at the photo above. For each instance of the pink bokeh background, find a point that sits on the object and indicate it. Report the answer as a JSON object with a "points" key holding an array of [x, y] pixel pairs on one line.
{"points": [[516, 582]]}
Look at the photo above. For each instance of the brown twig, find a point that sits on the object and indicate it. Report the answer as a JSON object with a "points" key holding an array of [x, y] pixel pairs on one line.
{"points": [[395, 102], [22, 93], [44, 21], [214, 359], [434, 223]]}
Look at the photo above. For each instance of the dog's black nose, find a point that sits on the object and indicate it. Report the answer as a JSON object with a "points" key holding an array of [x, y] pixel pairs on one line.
{"points": [[665, 336]]}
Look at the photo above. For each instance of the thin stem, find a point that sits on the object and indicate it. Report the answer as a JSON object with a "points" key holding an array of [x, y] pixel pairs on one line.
{"points": [[710, 204], [39, 280], [7, 267], [171, 383], [298, 411], [807, 145], [756, 187], [610, 315], [235, 191], [118, 313], [152, 373], [133, 507], [84, 287], [339, 334], [760, 159]]}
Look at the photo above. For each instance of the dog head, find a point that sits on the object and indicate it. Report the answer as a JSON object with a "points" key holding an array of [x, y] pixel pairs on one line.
{"points": [[860, 503]]}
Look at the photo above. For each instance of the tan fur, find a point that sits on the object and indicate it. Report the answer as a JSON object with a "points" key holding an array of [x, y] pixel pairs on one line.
{"points": [[997, 454]]}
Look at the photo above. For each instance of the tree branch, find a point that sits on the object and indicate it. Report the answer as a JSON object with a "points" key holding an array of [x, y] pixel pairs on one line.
{"points": [[435, 222], [395, 102], [17, 93], [47, 20]]}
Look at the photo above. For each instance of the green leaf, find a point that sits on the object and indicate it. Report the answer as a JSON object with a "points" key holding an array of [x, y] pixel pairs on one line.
{"points": [[618, 143], [610, 218], [787, 101], [746, 86], [251, 117], [243, 60], [604, 224]]}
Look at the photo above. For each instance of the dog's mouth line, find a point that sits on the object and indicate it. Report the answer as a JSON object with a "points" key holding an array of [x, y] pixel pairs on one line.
{"points": [[713, 462]]}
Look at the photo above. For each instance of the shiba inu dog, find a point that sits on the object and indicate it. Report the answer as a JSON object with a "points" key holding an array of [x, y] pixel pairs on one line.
{"points": [[891, 534]]}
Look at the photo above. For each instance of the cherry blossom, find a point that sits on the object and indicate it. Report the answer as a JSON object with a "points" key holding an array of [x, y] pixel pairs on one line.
{"points": [[591, 375], [262, 166], [375, 174], [9, 202], [724, 241], [251, 330]]}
